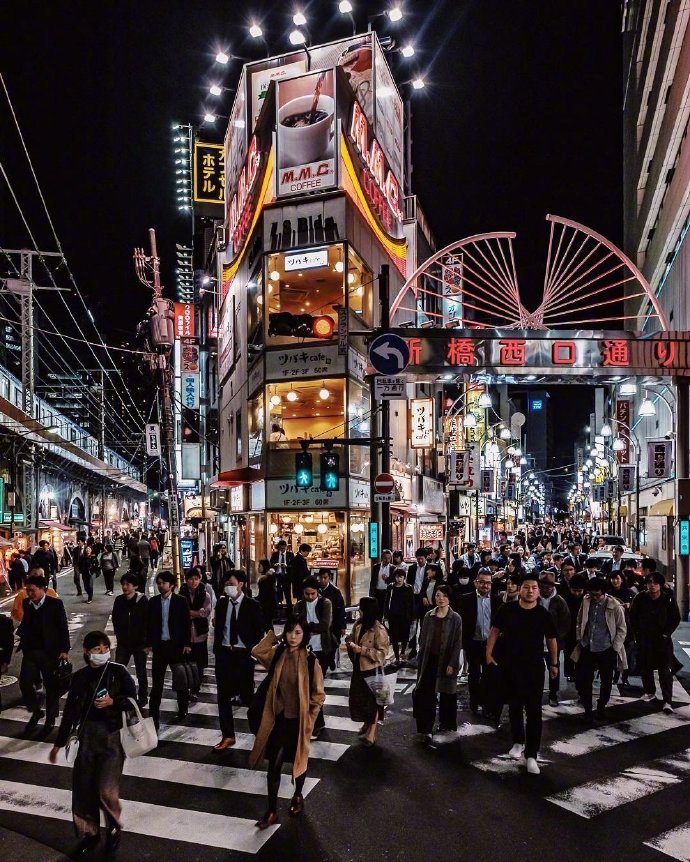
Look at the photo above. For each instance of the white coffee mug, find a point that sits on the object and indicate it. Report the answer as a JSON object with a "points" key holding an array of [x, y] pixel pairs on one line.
{"points": [[305, 144]]}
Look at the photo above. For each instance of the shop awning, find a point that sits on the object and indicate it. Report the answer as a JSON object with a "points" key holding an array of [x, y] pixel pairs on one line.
{"points": [[241, 476], [663, 507], [55, 525]]}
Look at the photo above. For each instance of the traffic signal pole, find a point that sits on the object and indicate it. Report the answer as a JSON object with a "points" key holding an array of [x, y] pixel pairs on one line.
{"points": [[384, 300]]}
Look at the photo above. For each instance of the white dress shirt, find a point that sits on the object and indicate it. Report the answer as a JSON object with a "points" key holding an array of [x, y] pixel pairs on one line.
{"points": [[226, 631]]}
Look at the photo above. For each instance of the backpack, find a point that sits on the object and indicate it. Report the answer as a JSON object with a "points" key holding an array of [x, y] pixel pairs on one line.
{"points": [[154, 545]]}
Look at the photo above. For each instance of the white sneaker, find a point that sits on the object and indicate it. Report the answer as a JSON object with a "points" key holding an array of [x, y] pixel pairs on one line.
{"points": [[667, 708], [648, 698], [516, 751], [533, 766]]}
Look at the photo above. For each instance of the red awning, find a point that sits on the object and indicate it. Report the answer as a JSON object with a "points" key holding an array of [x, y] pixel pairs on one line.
{"points": [[242, 476]]}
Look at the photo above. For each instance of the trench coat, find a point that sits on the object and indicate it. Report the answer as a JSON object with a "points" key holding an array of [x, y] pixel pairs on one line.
{"points": [[451, 642], [310, 703]]}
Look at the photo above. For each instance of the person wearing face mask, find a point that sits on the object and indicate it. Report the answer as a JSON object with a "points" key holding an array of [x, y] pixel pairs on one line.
{"points": [[315, 615], [168, 638], [239, 626], [98, 696], [43, 641]]}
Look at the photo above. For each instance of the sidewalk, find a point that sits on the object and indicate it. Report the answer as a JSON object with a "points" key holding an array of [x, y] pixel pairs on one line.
{"points": [[681, 644]]}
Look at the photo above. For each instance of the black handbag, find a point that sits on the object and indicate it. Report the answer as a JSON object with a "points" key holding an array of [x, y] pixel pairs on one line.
{"points": [[255, 710], [62, 675], [185, 676]]}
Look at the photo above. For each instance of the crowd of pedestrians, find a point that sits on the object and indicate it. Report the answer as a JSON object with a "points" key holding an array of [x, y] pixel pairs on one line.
{"points": [[497, 620]]}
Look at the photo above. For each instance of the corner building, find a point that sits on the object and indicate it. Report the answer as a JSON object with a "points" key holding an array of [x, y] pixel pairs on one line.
{"points": [[314, 156]]}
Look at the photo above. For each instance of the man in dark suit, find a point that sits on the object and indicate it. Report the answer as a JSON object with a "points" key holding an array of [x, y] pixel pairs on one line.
{"points": [[575, 556], [169, 638], [329, 591], [615, 564], [477, 609], [300, 570], [239, 627], [381, 576], [282, 561], [43, 641], [416, 573]]}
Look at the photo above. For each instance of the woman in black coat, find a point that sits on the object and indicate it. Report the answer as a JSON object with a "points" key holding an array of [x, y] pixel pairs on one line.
{"points": [[268, 592], [98, 696]]}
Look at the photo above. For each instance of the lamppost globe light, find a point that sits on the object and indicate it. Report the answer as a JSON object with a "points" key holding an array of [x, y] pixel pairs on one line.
{"points": [[505, 434], [484, 400], [255, 31], [222, 58], [647, 408], [531, 476], [523, 461], [470, 420], [627, 388], [618, 444], [407, 51], [297, 37], [298, 19], [345, 7], [395, 13], [606, 430]]}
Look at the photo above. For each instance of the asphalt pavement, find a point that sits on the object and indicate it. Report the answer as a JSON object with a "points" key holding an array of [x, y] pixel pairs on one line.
{"points": [[615, 792]]}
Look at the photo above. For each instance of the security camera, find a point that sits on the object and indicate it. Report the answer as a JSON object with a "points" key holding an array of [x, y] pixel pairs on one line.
{"points": [[656, 492]]}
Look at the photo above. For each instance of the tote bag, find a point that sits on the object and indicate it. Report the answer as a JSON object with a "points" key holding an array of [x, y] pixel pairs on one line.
{"points": [[140, 737]]}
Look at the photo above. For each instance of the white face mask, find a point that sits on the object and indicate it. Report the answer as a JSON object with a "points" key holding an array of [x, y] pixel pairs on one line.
{"points": [[464, 581], [99, 658], [231, 591]]}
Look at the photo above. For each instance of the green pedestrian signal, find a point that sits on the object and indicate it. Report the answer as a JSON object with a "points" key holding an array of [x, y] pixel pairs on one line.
{"points": [[330, 471], [303, 470]]}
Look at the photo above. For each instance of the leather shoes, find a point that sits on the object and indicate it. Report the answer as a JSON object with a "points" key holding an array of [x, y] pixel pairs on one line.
{"points": [[270, 818], [179, 716], [32, 723], [226, 742], [112, 841], [296, 805], [85, 846]]}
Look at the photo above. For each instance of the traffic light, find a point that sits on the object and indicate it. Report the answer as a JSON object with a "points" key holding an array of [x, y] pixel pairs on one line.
{"points": [[300, 325], [162, 328], [330, 470], [303, 470]]}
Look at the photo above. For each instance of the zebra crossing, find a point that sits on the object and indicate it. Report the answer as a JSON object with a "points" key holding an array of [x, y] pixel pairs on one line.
{"points": [[183, 792]]}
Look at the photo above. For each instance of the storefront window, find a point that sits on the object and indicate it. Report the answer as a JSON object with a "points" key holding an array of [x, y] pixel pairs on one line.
{"points": [[309, 282], [323, 531], [359, 425], [359, 561], [359, 288], [256, 428], [306, 409]]}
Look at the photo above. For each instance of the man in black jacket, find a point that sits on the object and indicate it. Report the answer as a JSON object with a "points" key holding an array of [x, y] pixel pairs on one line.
{"points": [[282, 561], [654, 616], [43, 640], [169, 638], [329, 591], [300, 571], [381, 576], [477, 610], [130, 614], [45, 559], [239, 626]]}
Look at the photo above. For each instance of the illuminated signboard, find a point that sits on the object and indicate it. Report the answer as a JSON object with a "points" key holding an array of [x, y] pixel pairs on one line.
{"points": [[209, 177], [184, 320], [536, 405], [517, 352], [240, 210], [684, 538]]}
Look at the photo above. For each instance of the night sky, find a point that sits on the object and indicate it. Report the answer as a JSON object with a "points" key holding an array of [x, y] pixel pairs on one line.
{"points": [[521, 116]]}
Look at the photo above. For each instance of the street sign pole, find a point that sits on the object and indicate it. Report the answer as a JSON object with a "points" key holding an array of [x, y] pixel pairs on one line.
{"points": [[384, 298]]}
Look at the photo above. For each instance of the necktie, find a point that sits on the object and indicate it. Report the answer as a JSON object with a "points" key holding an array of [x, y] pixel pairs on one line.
{"points": [[233, 625]]}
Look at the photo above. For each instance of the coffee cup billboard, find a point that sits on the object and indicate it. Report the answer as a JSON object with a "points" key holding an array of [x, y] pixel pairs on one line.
{"points": [[306, 133]]}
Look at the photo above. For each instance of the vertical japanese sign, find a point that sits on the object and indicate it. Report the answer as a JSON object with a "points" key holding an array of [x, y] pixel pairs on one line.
{"points": [[623, 416], [451, 277], [153, 440], [487, 481], [184, 320], [209, 179], [190, 390], [659, 459], [626, 479], [421, 423], [458, 467]]}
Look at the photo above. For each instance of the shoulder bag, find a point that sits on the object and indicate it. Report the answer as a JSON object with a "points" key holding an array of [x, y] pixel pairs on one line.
{"points": [[185, 676], [72, 745], [140, 737]]}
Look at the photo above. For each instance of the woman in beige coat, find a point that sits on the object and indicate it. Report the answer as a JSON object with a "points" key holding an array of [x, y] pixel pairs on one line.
{"points": [[294, 698], [368, 647]]}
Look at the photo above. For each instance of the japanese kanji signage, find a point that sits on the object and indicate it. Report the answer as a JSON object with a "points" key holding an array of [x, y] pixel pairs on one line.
{"points": [[153, 440], [659, 459], [209, 179], [487, 481], [283, 494], [626, 479], [300, 363], [623, 417], [184, 320], [517, 352], [190, 389], [421, 423]]}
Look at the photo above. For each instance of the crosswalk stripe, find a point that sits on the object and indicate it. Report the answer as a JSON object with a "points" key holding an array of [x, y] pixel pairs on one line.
{"points": [[596, 797], [213, 776], [674, 843], [595, 739], [208, 737], [143, 818], [331, 699], [333, 722]]}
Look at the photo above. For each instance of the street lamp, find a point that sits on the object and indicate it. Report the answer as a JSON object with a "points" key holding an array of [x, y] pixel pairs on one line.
{"points": [[606, 430], [619, 445], [628, 388], [222, 58], [255, 31], [647, 408], [209, 117], [407, 51], [297, 37], [395, 13], [470, 420], [418, 84], [484, 400]]}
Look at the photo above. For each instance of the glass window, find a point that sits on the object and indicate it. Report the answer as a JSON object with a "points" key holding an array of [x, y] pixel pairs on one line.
{"points": [[359, 564], [359, 425], [255, 310], [256, 428], [360, 283], [238, 434], [306, 409], [323, 531], [312, 290]]}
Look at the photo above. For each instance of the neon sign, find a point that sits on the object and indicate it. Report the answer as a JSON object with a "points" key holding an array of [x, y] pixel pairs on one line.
{"points": [[240, 210]]}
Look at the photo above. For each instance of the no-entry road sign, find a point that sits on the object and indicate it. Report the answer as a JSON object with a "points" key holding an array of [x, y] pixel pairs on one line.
{"points": [[384, 488]]}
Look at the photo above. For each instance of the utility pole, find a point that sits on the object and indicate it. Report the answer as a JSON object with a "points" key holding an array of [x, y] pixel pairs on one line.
{"points": [[23, 289], [161, 338], [384, 299]]}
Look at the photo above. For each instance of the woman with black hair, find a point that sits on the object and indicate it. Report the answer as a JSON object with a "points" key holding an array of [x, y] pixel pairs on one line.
{"points": [[367, 647], [268, 592], [294, 697], [98, 695]]}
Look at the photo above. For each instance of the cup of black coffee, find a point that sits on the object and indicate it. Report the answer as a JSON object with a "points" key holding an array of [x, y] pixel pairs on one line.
{"points": [[305, 136]]}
